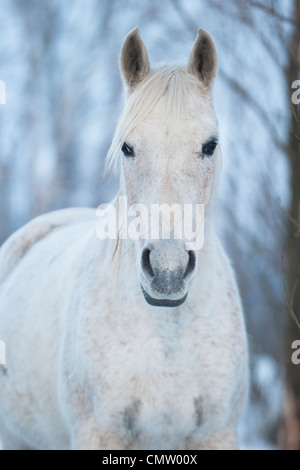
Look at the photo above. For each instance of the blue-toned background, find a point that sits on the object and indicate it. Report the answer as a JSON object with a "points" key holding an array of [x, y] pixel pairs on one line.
{"points": [[59, 60]]}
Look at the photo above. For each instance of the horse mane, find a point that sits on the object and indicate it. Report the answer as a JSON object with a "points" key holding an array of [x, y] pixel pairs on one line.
{"points": [[170, 81]]}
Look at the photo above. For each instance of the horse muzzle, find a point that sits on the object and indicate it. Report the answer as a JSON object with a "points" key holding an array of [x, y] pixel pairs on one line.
{"points": [[166, 272]]}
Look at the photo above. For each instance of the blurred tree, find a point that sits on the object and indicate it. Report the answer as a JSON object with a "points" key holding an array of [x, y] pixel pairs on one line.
{"points": [[287, 28], [291, 414], [64, 46]]}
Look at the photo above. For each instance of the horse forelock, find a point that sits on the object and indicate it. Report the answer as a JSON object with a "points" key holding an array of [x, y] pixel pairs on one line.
{"points": [[172, 82]]}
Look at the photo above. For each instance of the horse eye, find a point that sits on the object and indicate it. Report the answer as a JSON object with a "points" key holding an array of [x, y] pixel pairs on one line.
{"points": [[209, 148], [127, 150]]}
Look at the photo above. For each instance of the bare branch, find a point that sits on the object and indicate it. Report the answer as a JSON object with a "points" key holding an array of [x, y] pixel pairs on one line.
{"points": [[292, 220], [262, 113], [295, 137], [289, 303], [273, 12], [297, 119]]}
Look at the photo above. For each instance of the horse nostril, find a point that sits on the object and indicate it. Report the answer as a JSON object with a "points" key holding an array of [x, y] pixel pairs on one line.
{"points": [[146, 265], [191, 265]]}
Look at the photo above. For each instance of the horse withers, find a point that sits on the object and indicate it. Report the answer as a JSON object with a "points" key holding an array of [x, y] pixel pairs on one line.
{"points": [[130, 342]]}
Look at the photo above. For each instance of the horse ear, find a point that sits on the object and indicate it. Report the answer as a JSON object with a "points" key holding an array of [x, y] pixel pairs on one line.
{"points": [[203, 58], [134, 59]]}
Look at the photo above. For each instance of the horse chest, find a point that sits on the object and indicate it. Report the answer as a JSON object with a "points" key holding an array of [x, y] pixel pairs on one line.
{"points": [[164, 397], [156, 411]]}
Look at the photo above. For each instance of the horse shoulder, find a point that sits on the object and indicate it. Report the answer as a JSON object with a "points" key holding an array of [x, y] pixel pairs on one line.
{"points": [[20, 242]]}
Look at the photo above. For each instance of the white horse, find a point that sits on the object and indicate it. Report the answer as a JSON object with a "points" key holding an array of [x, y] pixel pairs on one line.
{"points": [[129, 343]]}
